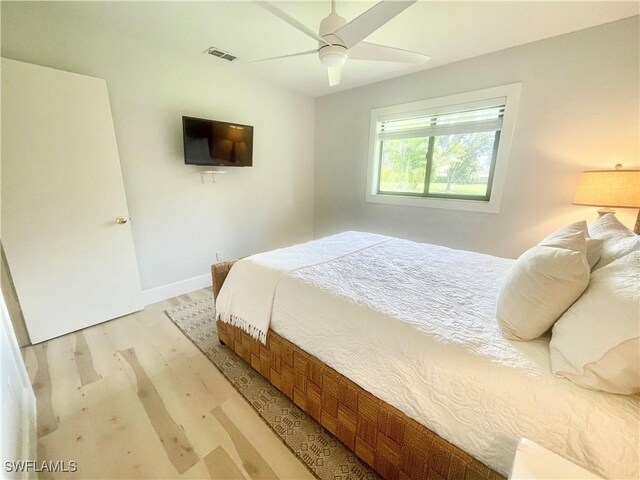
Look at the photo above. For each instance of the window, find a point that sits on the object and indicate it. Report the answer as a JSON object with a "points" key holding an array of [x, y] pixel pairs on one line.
{"points": [[449, 152]]}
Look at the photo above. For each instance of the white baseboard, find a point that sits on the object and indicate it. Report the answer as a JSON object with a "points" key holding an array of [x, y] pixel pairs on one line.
{"points": [[158, 294]]}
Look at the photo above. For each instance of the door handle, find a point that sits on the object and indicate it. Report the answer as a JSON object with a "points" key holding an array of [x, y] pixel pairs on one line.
{"points": [[121, 220]]}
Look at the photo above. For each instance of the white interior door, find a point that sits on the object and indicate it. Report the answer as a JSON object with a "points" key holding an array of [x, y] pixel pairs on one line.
{"points": [[72, 264]]}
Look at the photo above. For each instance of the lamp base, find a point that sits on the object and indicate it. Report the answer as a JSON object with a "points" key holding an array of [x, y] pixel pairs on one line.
{"points": [[605, 210]]}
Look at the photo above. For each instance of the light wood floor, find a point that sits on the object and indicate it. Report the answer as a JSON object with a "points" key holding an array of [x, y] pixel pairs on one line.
{"points": [[134, 398]]}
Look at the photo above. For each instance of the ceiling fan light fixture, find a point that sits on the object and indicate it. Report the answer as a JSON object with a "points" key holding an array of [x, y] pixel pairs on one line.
{"points": [[337, 37], [333, 56]]}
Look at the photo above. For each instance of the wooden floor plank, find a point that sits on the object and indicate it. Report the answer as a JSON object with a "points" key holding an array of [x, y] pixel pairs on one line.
{"points": [[110, 436], [104, 354], [220, 465], [47, 419], [189, 402], [252, 461], [84, 361], [175, 442], [30, 362]]}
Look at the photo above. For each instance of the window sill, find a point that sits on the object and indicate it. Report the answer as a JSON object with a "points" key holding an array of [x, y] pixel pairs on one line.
{"points": [[491, 206]]}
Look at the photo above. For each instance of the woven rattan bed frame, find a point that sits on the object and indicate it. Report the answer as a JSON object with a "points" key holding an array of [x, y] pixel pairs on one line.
{"points": [[396, 446]]}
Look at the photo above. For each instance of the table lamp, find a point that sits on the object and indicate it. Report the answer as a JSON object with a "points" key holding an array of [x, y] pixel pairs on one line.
{"points": [[236, 136], [610, 189]]}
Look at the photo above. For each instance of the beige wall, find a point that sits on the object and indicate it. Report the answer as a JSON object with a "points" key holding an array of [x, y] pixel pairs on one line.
{"points": [[578, 110], [179, 223]]}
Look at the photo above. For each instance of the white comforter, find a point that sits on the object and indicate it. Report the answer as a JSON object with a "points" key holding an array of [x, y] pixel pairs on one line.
{"points": [[414, 324], [246, 297]]}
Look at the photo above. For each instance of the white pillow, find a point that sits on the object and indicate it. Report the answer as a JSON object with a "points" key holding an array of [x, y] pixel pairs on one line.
{"points": [[618, 239], [596, 343], [543, 283]]}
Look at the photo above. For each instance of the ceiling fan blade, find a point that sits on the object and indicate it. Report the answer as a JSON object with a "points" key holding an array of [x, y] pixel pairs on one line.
{"points": [[382, 53], [299, 54], [271, 8], [361, 27], [334, 75]]}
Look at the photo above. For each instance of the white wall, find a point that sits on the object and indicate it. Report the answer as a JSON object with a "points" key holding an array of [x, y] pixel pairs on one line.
{"points": [[18, 418], [179, 223], [578, 110]]}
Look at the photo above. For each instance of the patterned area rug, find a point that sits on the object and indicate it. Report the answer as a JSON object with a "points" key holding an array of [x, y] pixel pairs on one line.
{"points": [[324, 455]]}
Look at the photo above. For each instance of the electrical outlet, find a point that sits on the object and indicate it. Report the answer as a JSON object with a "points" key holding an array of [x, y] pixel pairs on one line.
{"points": [[219, 256]]}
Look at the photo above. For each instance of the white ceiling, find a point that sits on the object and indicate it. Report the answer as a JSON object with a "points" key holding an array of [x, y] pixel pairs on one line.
{"points": [[446, 31]]}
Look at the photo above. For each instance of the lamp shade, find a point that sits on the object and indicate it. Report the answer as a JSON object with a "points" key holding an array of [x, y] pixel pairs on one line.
{"points": [[235, 134], [609, 188]]}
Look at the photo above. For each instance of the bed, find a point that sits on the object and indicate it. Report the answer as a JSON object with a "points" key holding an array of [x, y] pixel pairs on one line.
{"points": [[393, 347]]}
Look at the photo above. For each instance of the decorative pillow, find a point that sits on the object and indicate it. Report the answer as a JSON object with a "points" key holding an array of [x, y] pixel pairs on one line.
{"points": [[618, 239], [594, 251], [543, 283], [596, 343]]}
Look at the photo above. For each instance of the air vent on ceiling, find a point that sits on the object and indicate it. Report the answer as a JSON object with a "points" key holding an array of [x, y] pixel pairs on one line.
{"points": [[216, 52]]}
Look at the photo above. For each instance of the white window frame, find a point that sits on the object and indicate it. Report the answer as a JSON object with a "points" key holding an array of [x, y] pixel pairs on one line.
{"points": [[511, 95]]}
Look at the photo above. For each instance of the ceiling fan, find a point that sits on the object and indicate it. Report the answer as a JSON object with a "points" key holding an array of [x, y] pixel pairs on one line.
{"points": [[339, 39]]}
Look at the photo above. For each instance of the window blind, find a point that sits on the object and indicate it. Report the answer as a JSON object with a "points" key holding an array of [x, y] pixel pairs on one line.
{"points": [[488, 119]]}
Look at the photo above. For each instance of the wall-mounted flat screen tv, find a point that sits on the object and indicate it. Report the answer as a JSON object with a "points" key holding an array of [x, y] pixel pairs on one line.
{"points": [[209, 142]]}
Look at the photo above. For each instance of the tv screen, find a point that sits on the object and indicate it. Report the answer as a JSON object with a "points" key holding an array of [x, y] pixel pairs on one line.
{"points": [[208, 142]]}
